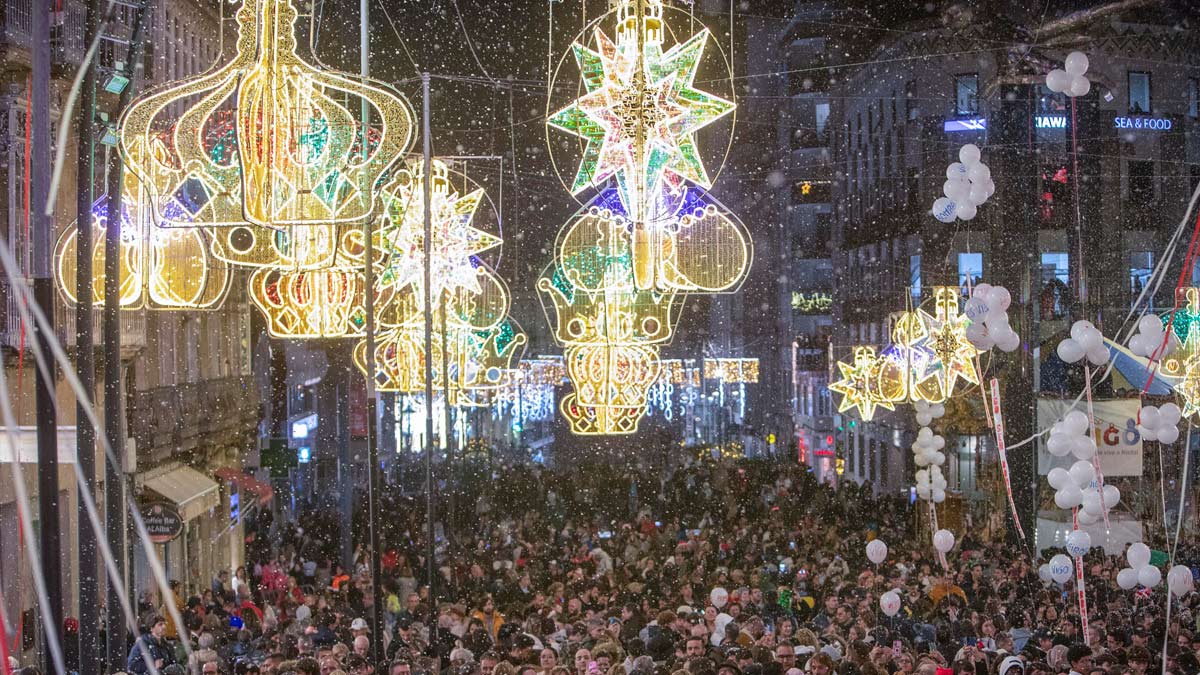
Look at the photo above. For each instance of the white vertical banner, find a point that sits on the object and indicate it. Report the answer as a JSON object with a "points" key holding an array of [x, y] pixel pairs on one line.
{"points": [[1117, 439]]}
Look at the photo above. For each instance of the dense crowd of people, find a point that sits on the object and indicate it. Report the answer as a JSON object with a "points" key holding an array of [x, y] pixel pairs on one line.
{"points": [[715, 568]]}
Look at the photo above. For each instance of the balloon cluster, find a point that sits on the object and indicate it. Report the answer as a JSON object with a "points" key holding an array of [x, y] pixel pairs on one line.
{"points": [[1140, 571], [928, 412], [1149, 339], [1058, 570], [1077, 487], [1071, 437], [1085, 340], [877, 551], [1070, 79], [927, 453], [988, 311], [1160, 424], [943, 541], [968, 185]]}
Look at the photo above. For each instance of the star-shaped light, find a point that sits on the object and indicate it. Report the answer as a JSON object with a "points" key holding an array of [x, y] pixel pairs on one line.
{"points": [[855, 385], [456, 242], [953, 354], [639, 116]]}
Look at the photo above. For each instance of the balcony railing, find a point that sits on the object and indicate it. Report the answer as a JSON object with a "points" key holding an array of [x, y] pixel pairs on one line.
{"points": [[66, 28], [181, 418], [14, 335]]}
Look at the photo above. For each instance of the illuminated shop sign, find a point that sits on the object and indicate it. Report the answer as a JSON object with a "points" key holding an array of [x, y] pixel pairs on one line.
{"points": [[1151, 123]]}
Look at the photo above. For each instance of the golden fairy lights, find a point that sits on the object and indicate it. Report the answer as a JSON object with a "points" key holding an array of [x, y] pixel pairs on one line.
{"points": [[622, 263], [930, 356], [1182, 366]]}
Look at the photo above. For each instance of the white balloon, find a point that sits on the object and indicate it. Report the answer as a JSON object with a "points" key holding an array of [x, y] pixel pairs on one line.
{"points": [[1077, 422], [1078, 543], [923, 477], [1083, 447], [1149, 576], [1179, 580], [923, 492], [1138, 345], [981, 290], [991, 187], [958, 190], [943, 540], [1068, 497], [1079, 86], [1148, 433], [1138, 555], [1058, 80], [978, 194], [1083, 473], [1150, 324], [1086, 518], [876, 551], [998, 296], [939, 458], [1170, 413], [938, 410], [1080, 329], [979, 174], [1091, 502], [938, 496], [1058, 478], [1150, 417], [1044, 572], [938, 442], [1070, 351], [956, 171], [925, 434], [1127, 578], [966, 210], [1167, 434], [944, 209], [1076, 63], [1010, 342], [1112, 496], [889, 603], [718, 597], [969, 154], [1097, 355], [1060, 445], [924, 419], [1061, 568]]}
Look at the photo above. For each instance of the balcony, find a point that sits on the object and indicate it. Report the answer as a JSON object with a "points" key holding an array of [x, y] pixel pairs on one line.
{"points": [[66, 31], [180, 419], [133, 325]]}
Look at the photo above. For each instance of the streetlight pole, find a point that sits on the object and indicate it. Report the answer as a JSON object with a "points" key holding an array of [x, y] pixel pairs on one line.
{"points": [[427, 189]]}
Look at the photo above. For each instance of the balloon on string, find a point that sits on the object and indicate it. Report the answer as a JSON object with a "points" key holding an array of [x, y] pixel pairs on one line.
{"points": [[966, 211], [1078, 543], [944, 209], [1083, 473], [1138, 555], [1058, 80], [1086, 518], [957, 171], [1076, 63], [889, 603], [1079, 86], [1127, 578], [1058, 478], [1070, 351], [969, 154], [1044, 572], [876, 551], [1061, 568], [943, 541], [1179, 580], [718, 597], [1068, 497], [1112, 496]]}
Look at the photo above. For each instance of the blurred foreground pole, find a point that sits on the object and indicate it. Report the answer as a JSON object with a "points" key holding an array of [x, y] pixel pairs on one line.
{"points": [[427, 189], [43, 293]]}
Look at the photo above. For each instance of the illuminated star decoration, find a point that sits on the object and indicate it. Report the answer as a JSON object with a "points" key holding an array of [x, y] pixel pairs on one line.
{"points": [[855, 385], [953, 354], [455, 244], [640, 113]]}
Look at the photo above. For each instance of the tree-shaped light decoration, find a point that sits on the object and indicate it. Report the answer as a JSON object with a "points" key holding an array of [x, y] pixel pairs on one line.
{"points": [[1182, 366], [297, 157]]}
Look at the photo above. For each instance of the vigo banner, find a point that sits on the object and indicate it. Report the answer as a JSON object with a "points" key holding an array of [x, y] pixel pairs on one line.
{"points": [[1117, 437]]}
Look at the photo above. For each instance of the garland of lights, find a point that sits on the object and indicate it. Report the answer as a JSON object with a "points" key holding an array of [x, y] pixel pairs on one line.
{"points": [[621, 263]]}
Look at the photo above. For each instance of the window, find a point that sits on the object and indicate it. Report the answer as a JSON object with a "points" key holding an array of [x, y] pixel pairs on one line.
{"points": [[970, 268], [910, 101], [822, 111], [1141, 264], [1139, 92], [1141, 182], [1194, 97], [966, 94], [1056, 279], [914, 276]]}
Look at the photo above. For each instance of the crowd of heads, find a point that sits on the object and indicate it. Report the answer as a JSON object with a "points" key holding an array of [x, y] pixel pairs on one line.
{"points": [[715, 568]]}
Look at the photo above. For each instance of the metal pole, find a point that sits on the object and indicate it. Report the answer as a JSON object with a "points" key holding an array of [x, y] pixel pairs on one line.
{"points": [[114, 423], [427, 189], [43, 291], [449, 425], [369, 306], [85, 362]]}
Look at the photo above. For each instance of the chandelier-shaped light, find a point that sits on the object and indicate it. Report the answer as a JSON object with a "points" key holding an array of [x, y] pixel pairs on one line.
{"points": [[300, 155], [929, 359]]}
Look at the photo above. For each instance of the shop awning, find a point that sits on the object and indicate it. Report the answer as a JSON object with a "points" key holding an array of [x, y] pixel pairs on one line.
{"points": [[190, 491], [246, 483]]}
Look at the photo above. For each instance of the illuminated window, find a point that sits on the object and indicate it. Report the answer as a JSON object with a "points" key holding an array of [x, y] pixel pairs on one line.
{"points": [[914, 276], [1141, 264], [1056, 279], [1139, 92], [966, 94], [970, 268]]}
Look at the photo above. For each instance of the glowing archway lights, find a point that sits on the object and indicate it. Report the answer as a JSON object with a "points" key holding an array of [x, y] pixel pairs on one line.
{"points": [[297, 156], [929, 358], [651, 233]]}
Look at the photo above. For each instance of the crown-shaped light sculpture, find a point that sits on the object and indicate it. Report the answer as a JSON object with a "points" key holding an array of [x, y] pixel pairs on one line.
{"points": [[301, 154], [929, 359], [1182, 366], [159, 269]]}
